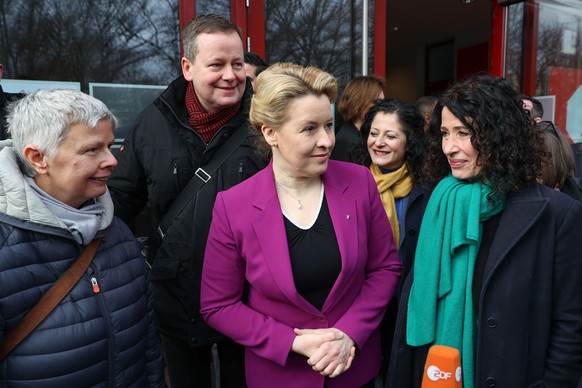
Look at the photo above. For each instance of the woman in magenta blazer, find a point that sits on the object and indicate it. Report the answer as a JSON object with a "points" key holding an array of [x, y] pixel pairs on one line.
{"points": [[300, 261]]}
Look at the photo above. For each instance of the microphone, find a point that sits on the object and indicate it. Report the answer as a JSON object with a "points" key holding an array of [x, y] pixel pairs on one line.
{"points": [[442, 368]]}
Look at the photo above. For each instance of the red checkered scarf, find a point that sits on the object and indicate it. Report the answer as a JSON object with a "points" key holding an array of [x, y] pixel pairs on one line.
{"points": [[207, 124]]}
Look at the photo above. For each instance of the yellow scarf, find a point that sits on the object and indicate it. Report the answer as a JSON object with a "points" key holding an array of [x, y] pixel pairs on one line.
{"points": [[396, 184]]}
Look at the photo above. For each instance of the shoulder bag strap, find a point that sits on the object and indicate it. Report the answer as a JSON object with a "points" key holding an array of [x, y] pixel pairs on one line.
{"points": [[201, 176], [49, 300]]}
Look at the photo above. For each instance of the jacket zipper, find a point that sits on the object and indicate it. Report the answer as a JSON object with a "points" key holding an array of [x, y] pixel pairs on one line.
{"points": [[100, 300], [175, 174], [95, 286]]}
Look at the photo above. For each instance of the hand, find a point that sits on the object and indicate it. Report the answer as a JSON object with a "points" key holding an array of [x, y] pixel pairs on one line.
{"points": [[307, 342], [333, 357]]}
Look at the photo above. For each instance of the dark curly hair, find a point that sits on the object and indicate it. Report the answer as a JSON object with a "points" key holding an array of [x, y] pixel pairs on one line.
{"points": [[412, 124], [509, 151]]}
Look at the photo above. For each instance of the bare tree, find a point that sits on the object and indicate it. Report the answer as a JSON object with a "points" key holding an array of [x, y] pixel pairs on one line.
{"points": [[90, 41], [218, 7], [318, 33], [513, 59], [550, 54], [549, 48]]}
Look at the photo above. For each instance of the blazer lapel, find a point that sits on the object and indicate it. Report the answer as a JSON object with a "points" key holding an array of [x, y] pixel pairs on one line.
{"points": [[520, 214], [345, 222], [270, 231]]}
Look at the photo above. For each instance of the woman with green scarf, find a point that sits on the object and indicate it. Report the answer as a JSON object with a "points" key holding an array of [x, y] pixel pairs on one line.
{"points": [[498, 264], [393, 147]]}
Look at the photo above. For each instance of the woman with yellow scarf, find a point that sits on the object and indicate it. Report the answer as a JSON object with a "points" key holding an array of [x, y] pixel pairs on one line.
{"points": [[393, 147]]}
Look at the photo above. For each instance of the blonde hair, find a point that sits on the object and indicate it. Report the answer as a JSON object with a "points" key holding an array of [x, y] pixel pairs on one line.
{"points": [[277, 87]]}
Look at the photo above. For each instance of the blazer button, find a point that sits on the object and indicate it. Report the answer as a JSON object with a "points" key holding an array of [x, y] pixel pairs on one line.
{"points": [[323, 320], [491, 382], [412, 232], [491, 322]]}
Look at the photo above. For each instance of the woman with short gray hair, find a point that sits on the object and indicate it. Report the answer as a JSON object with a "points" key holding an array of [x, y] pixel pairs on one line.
{"points": [[53, 203]]}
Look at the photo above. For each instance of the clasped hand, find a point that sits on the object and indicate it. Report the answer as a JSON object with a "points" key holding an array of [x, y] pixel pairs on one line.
{"points": [[329, 351]]}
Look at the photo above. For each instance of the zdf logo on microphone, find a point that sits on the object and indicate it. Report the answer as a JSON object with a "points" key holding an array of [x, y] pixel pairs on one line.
{"points": [[435, 374], [448, 372]]}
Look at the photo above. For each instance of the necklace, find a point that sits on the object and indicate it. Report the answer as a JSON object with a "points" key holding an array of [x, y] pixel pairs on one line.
{"points": [[299, 206]]}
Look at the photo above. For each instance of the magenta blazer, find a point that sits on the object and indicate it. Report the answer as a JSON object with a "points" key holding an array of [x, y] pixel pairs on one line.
{"points": [[247, 247]]}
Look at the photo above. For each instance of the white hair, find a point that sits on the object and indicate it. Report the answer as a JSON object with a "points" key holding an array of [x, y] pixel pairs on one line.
{"points": [[43, 118]]}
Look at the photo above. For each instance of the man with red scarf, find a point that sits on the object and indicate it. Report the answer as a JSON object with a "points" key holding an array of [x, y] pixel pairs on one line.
{"points": [[181, 131]]}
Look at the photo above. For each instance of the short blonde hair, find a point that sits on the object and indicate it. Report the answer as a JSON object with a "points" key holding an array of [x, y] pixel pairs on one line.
{"points": [[277, 87]]}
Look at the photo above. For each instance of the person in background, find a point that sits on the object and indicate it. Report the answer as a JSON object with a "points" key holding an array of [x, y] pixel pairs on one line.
{"points": [[534, 107], [254, 65], [358, 96], [393, 147], [300, 262], [426, 104], [171, 143], [497, 266], [558, 166], [53, 175], [5, 99]]}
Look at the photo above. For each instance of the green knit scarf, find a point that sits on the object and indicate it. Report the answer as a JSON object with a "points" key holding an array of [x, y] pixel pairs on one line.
{"points": [[440, 308]]}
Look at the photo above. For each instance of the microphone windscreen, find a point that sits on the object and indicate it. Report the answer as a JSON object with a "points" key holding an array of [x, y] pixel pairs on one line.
{"points": [[442, 368]]}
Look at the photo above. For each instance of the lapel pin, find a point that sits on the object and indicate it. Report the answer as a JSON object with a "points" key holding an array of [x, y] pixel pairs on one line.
{"points": [[347, 216]]}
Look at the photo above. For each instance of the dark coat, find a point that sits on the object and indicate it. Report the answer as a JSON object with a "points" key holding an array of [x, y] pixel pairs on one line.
{"points": [[529, 326], [347, 138], [158, 159], [106, 339], [417, 201], [573, 187]]}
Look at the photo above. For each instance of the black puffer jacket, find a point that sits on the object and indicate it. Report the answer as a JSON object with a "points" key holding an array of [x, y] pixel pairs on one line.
{"points": [[159, 157], [100, 339]]}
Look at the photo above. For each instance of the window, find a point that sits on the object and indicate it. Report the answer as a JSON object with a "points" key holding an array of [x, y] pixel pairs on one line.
{"points": [[544, 58], [91, 41]]}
